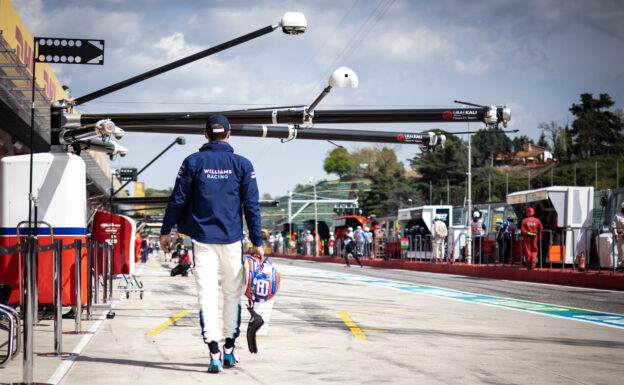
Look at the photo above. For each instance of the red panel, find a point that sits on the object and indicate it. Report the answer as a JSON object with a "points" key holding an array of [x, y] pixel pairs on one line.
{"points": [[9, 271], [122, 229]]}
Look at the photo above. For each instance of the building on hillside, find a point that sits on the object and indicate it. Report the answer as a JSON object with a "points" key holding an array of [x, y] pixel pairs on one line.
{"points": [[530, 154], [409, 174]]}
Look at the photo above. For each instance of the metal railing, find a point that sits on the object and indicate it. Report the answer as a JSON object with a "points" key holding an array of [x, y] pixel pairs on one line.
{"points": [[28, 297], [559, 248]]}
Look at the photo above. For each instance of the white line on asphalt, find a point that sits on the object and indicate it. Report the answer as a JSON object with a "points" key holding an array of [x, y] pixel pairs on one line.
{"points": [[66, 364]]}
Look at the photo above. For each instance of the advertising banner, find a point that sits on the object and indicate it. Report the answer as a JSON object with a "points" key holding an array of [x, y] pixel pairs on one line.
{"points": [[14, 32]]}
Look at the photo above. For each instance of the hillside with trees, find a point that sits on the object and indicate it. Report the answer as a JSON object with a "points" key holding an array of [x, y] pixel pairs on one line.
{"points": [[588, 153]]}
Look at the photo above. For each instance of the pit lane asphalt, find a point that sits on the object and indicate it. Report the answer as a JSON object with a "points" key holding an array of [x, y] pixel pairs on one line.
{"points": [[325, 328], [592, 299]]}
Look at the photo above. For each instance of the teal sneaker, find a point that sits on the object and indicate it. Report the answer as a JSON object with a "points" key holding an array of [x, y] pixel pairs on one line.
{"points": [[215, 363], [229, 357]]}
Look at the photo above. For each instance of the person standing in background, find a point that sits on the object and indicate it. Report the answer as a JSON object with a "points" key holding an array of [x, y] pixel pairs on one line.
{"points": [[440, 233], [531, 228], [617, 226]]}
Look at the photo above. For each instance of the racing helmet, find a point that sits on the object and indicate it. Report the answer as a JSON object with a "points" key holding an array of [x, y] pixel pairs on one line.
{"points": [[476, 214], [262, 279], [530, 211]]}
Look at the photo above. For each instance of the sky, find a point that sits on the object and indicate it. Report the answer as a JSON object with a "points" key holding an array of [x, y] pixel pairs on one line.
{"points": [[534, 56]]}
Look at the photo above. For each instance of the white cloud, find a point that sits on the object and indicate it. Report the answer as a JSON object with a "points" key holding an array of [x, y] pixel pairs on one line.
{"points": [[540, 54], [487, 59], [418, 45]]}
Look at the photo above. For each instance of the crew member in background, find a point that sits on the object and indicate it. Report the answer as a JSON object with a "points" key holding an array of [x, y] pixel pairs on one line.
{"points": [[137, 247], [308, 240], [530, 228], [498, 244], [317, 243], [144, 249], [439, 235], [618, 236], [478, 232], [331, 243], [349, 248], [368, 234], [184, 262], [509, 229], [359, 238]]}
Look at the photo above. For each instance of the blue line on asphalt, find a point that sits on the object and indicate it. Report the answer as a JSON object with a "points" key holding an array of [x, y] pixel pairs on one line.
{"points": [[599, 318]]}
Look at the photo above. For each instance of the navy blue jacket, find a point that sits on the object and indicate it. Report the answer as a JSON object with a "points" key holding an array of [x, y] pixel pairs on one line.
{"points": [[213, 188]]}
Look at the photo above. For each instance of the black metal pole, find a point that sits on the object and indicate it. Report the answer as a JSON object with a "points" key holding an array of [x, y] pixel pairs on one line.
{"points": [[284, 132], [440, 115], [113, 193], [176, 64], [330, 134], [111, 229], [164, 200], [32, 134]]}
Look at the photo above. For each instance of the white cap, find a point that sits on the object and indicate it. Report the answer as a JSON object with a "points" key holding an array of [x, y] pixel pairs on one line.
{"points": [[476, 214]]}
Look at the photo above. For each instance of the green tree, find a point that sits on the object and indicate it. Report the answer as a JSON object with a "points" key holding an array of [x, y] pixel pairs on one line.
{"points": [[559, 139], [365, 160], [596, 130], [338, 162], [488, 142], [517, 143], [369, 160], [449, 162], [388, 192], [541, 141], [445, 169], [387, 159]]}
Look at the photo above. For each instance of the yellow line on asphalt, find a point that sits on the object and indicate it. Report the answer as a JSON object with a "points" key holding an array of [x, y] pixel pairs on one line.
{"points": [[374, 331], [168, 323], [349, 322]]}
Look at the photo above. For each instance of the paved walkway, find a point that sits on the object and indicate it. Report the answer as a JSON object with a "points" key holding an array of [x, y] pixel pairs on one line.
{"points": [[334, 327]]}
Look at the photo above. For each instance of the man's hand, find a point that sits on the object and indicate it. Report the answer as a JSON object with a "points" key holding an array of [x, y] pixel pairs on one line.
{"points": [[257, 250], [165, 241]]}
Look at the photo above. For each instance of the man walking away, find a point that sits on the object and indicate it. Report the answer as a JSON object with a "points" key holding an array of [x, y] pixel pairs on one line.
{"points": [[349, 248], [213, 188]]}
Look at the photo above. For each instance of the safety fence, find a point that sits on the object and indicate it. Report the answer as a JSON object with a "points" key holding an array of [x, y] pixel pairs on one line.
{"points": [[576, 248], [99, 283]]}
